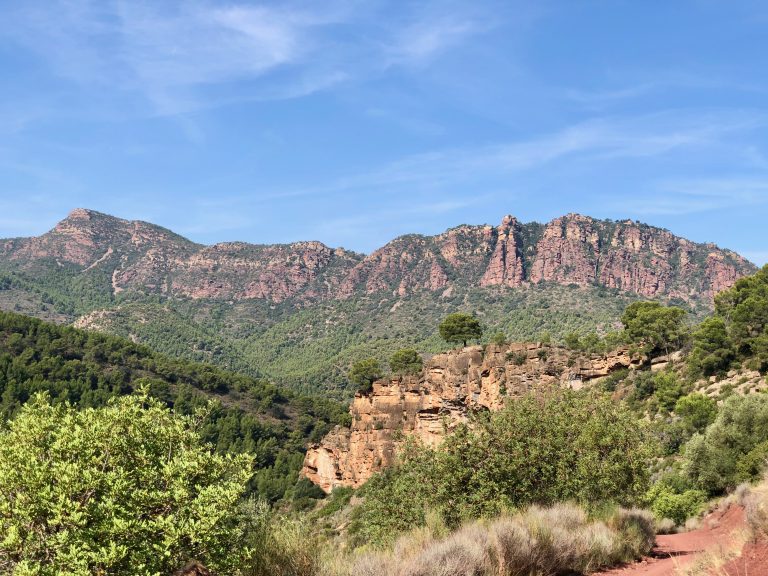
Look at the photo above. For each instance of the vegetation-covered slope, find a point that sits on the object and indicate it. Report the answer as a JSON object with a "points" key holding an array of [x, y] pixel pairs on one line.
{"points": [[88, 368]]}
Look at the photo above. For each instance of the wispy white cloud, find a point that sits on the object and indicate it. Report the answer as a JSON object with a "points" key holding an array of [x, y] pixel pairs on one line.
{"points": [[177, 54], [592, 141], [193, 55], [419, 42], [598, 97]]}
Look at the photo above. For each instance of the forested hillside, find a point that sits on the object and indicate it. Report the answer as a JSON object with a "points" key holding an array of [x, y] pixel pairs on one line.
{"points": [[87, 369]]}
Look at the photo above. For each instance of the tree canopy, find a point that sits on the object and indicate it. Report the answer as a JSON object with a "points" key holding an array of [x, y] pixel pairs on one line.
{"points": [[655, 327], [129, 488], [460, 327], [406, 361], [364, 373]]}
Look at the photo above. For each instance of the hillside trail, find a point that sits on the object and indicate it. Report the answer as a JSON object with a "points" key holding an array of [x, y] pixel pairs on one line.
{"points": [[722, 533]]}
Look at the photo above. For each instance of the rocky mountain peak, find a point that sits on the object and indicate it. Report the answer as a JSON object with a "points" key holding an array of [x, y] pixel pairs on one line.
{"points": [[572, 249]]}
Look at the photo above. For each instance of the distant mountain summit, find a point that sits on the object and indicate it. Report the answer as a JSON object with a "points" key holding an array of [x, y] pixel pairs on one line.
{"points": [[573, 249]]}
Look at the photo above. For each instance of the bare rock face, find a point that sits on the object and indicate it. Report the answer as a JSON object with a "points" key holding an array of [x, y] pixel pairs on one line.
{"points": [[506, 267], [449, 388], [573, 249], [240, 271]]}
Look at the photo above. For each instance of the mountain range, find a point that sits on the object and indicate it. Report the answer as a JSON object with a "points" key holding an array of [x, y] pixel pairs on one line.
{"points": [[300, 312]]}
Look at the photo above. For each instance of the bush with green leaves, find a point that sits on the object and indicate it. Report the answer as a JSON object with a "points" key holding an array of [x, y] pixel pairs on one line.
{"points": [[668, 389], [459, 328], [697, 411], [717, 459], [406, 361], [572, 341], [498, 338], [276, 544], [655, 328], [737, 331], [539, 449], [744, 308], [125, 489], [665, 502]]}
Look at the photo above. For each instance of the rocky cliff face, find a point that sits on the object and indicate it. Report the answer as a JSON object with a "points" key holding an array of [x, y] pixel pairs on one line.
{"points": [[449, 388], [573, 249]]}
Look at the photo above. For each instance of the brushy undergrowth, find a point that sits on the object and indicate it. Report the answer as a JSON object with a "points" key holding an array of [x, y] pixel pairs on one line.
{"points": [[536, 542]]}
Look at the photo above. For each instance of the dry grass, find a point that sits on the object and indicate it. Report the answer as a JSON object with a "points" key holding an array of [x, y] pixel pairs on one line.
{"points": [[537, 542], [711, 562], [666, 526]]}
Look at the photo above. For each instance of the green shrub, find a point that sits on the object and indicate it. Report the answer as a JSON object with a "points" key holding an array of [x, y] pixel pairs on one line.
{"points": [[125, 489], [697, 411], [712, 458], [667, 390], [751, 466], [713, 351], [459, 327], [364, 373], [499, 338], [744, 309], [572, 341], [610, 382], [517, 358], [665, 502], [278, 545], [654, 327]]}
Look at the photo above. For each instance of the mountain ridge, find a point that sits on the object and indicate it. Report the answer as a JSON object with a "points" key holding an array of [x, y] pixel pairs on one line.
{"points": [[572, 249]]}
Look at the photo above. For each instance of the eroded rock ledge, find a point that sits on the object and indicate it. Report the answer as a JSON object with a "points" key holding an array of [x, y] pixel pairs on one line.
{"points": [[449, 388]]}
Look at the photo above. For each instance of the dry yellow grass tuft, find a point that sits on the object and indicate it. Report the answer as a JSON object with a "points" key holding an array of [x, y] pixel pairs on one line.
{"points": [[536, 542]]}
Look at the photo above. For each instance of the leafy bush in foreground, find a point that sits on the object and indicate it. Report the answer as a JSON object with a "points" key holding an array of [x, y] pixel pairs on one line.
{"points": [[125, 489]]}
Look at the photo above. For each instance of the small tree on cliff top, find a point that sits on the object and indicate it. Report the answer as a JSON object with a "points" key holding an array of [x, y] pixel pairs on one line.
{"points": [[405, 361], [460, 327], [364, 373]]}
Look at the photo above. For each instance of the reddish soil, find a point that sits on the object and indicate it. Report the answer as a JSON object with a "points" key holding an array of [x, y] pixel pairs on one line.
{"points": [[752, 562], [676, 551]]}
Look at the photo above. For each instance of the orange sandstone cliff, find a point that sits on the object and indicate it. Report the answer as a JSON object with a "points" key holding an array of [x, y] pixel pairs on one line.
{"points": [[449, 388]]}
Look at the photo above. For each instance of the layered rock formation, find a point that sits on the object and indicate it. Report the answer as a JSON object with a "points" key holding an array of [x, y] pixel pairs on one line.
{"points": [[573, 249], [449, 388]]}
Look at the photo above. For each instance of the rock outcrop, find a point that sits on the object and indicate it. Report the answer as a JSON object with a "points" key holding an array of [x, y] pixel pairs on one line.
{"points": [[450, 387], [573, 249]]}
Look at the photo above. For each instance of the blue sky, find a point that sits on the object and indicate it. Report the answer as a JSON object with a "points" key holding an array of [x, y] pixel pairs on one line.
{"points": [[352, 122]]}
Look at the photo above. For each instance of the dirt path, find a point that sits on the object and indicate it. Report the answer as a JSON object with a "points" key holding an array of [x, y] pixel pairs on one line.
{"points": [[720, 531]]}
